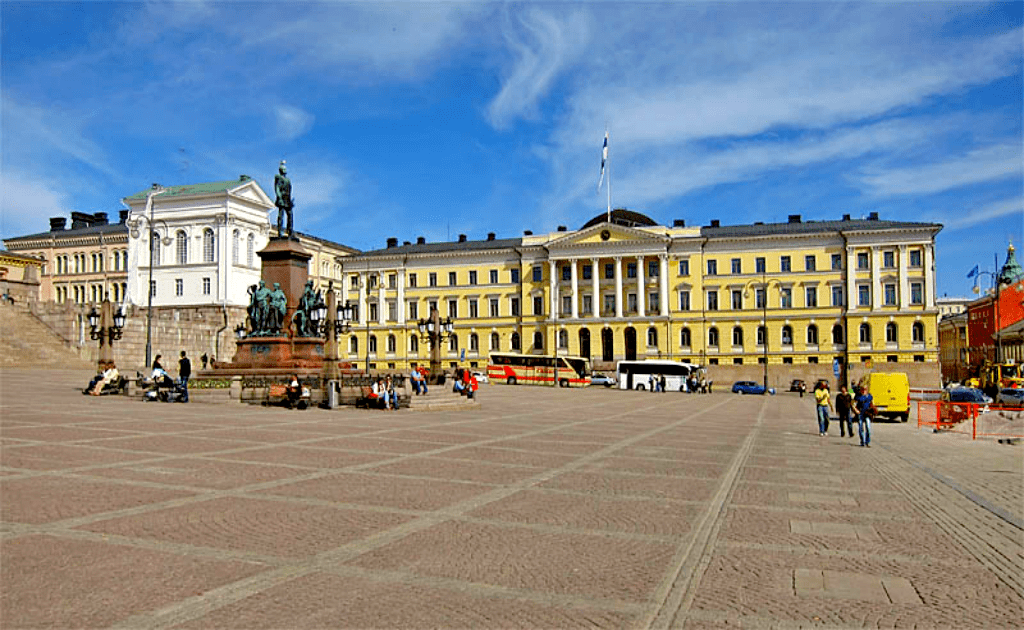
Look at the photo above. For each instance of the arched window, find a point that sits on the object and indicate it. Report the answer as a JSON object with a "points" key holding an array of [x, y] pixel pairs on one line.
{"points": [[371, 344], [124, 260], [918, 331], [892, 333], [515, 342], [812, 335], [234, 247], [652, 337], [353, 345], [787, 335], [865, 333], [250, 250], [737, 336], [538, 341], [209, 246], [713, 337], [474, 342], [684, 338], [837, 334], [453, 343], [414, 344], [392, 344], [181, 246], [156, 251], [495, 341], [563, 338]]}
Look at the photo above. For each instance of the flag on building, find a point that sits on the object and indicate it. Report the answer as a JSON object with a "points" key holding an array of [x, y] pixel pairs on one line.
{"points": [[604, 158], [973, 272]]}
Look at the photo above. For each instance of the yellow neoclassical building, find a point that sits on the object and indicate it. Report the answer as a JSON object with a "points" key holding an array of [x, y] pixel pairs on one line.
{"points": [[797, 294]]}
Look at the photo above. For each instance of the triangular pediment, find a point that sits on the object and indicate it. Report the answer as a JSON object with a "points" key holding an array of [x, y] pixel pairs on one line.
{"points": [[608, 234], [251, 191]]}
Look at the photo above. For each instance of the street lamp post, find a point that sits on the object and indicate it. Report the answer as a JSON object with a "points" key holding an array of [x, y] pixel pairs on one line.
{"points": [[155, 190], [998, 348], [331, 319], [106, 326], [435, 331], [763, 285]]}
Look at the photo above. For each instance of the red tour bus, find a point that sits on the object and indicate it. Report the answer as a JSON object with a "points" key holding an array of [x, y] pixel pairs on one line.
{"points": [[533, 369]]}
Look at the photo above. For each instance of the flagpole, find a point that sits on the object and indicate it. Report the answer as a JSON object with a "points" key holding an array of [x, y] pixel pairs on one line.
{"points": [[609, 167]]}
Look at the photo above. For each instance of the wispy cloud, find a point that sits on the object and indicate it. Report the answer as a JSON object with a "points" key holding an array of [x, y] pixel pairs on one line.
{"points": [[35, 130], [26, 202], [986, 214], [292, 122], [980, 165]]}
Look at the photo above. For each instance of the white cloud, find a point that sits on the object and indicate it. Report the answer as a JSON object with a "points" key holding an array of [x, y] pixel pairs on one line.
{"points": [[989, 212], [543, 47], [35, 130], [27, 203], [980, 165], [292, 122]]}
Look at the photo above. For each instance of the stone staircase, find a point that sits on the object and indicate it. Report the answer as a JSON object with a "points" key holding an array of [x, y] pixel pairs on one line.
{"points": [[439, 398], [27, 342]]}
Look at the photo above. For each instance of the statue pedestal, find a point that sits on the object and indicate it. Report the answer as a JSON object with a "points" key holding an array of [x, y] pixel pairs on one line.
{"points": [[286, 263], [279, 352]]}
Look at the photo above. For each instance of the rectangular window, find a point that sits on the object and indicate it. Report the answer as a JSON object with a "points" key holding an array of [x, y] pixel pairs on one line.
{"points": [[432, 279], [373, 281], [837, 296], [785, 264], [538, 305], [472, 277], [494, 307], [514, 306], [588, 305], [414, 309], [179, 287], [374, 314], [609, 271], [588, 272], [631, 302], [609, 303], [862, 260], [355, 282], [737, 266], [513, 275], [890, 295], [759, 265], [654, 303], [712, 300], [811, 297], [837, 262], [206, 286], [759, 298], [412, 280], [653, 269], [737, 300], [392, 280], [888, 260], [684, 300], [452, 279], [916, 293], [712, 267], [631, 270], [494, 276], [863, 295], [566, 272], [915, 258], [684, 267], [453, 308], [785, 298], [538, 273], [566, 305], [392, 312], [810, 263]]}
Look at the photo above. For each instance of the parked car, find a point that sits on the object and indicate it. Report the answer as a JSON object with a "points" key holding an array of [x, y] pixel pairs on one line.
{"points": [[481, 377], [601, 379], [1010, 397], [957, 405], [750, 387], [797, 386]]}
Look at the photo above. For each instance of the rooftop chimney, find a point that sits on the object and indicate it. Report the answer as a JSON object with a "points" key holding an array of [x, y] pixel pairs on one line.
{"points": [[794, 218], [462, 238], [714, 223], [100, 218], [872, 216], [243, 178], [490, 236], [846, 217], [406, 243], [561, 228], [80, 220], [527, 232], [421, 240], [679, 223], [122, 216], [57, 224], [392, 242]]}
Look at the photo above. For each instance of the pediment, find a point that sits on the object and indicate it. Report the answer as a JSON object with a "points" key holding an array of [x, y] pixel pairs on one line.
{"points": [[251, 191], [609, 234]]}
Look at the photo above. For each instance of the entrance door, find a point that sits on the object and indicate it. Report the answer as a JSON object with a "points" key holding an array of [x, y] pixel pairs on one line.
{"points": [[630, 336], [584, 343], [607, 345]]}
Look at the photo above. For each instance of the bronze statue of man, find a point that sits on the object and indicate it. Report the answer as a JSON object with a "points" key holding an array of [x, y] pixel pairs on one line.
{"points": [[259, 309], [284, 203], [278, 303]]}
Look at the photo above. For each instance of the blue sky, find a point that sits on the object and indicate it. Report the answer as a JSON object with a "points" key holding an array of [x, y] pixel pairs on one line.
{"points": [[433, 119]]}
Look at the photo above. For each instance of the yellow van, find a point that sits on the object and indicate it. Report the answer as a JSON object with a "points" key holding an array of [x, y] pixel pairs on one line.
{"points": [[891, 393]]}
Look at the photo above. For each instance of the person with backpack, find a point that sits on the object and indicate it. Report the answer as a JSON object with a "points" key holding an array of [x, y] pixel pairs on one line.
{"points": [[864, 405]]}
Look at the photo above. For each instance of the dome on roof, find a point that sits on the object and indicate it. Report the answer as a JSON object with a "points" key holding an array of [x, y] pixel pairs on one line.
{"points": [[621, 216], [1011, 270]]}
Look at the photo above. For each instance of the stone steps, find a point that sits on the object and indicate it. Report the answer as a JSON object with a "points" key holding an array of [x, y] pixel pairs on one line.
{"points": [[436, 400], [27, 342]]}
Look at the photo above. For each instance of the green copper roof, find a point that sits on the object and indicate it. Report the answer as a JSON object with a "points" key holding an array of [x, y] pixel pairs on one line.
{"points": [[1011, 270], [192, 189]]}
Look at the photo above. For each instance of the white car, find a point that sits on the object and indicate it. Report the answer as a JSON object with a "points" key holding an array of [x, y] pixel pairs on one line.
{"points": [[601, 379], [1010, 397], [481, 377]]}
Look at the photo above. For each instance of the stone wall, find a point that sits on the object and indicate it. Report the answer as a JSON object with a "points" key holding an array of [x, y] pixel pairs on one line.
{"points": [[924, 375], [192, 329]]}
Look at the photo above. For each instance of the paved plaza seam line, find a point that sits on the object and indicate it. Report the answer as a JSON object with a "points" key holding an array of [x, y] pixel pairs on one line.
{"points": [[695, 555], [194, 608]]}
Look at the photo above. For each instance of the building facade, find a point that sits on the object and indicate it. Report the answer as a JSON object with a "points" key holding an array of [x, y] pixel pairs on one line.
{"points": [[788, 294]]}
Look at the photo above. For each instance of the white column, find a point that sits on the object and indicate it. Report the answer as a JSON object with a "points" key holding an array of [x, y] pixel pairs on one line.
{"points": [[363, 308], [381, 301], [663, 283], [904, 297], [851, 279], [575, 289], [595, 287], [553, 288], [876, 278], [618, 286], [929, 278], [401, 296], [641, 290]]}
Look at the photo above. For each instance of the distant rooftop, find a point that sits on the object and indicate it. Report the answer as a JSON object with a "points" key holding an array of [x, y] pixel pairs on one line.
{"points": [[193, 189]]}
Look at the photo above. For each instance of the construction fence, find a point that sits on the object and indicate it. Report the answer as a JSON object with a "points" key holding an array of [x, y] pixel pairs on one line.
{"points": [[974, 419]]}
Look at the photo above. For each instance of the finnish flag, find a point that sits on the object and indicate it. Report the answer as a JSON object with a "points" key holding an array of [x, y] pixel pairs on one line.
{"points": [[604, 158], [973, 272]]}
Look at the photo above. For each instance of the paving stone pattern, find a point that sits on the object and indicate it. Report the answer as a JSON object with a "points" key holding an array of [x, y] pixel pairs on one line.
{"points": [[541, 508]]}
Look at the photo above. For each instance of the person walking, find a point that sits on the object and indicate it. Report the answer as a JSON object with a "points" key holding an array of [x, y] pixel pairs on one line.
{"points": [[864, 405], [661, 383], [184, 372], [823, 404], [844, 404]]}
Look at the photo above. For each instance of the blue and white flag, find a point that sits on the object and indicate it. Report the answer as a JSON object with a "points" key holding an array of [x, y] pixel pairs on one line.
{"points": [[973, 272], [604, 158]]}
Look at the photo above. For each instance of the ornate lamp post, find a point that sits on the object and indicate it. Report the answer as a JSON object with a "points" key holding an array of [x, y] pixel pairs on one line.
{"points": [[331, 319], [435, 331], [155, 190], [106, 326], [762, 286]]}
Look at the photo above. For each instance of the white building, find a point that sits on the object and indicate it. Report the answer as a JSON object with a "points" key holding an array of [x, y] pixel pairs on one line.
{"points": [[205, 239]]}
